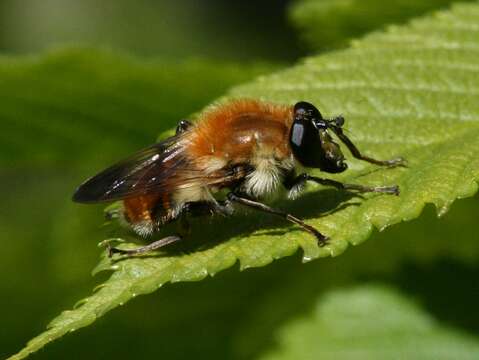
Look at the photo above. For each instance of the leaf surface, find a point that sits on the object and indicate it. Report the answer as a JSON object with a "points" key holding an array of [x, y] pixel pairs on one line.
{"points": [[330, 24], [411, 91], [370, 322]]}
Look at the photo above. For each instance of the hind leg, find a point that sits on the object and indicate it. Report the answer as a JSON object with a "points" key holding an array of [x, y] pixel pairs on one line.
{"points": [[198, 208], [144, 249]]}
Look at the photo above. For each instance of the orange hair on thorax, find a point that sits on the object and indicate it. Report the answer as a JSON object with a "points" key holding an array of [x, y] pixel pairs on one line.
{"points": [[225, 130]]}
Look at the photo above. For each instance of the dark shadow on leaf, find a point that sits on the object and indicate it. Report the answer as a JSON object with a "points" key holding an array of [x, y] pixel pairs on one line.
{"points": [[207, 232]]}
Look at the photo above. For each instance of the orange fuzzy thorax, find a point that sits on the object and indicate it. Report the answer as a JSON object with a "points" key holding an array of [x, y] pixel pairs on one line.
{"points": [[235, 130]]}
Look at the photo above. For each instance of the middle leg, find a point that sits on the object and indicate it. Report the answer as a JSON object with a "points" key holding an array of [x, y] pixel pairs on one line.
{"points": [[322, 239], [296, 184]]}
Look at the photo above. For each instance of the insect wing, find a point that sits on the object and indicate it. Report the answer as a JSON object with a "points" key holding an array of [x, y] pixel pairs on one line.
{"points": [[152, 169]]}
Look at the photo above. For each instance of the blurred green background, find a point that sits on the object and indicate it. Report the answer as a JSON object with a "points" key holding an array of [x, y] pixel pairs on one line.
{"points": [[148, 64]]}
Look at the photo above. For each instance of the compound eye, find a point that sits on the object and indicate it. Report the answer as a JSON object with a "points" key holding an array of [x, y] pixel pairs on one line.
{"points": [[297, 136], [304, 141], [307, 111]]}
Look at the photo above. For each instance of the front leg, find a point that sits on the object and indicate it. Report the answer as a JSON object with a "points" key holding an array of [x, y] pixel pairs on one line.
{"points": [[295, 185], [336, 124]]}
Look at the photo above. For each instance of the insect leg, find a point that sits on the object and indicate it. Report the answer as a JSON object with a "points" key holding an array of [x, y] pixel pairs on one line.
{"points": [[183, 125], [357, 154], [393, 190], [199, 208], [196, 208], [144, 249], [294, 184], [322, 240]]}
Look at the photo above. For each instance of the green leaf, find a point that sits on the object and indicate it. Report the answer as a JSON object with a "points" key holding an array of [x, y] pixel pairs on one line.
{"points": [[370, 322], [328, 24], [412, 91]]}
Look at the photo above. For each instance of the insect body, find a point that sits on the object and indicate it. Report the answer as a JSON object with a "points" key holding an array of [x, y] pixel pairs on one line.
{"points": [[248, 148]]}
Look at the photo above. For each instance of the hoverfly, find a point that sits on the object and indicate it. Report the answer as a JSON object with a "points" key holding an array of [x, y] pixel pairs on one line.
{"points": [[246, 148]]}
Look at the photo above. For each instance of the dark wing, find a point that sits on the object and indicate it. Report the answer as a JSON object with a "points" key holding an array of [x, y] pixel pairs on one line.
{"points": [[160, 168]]}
